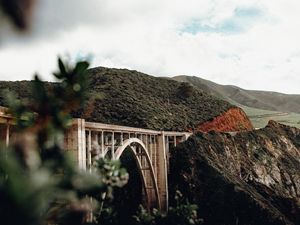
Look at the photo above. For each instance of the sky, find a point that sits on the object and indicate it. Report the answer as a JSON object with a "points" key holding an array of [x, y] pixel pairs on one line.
{"points": [[253, 44]]}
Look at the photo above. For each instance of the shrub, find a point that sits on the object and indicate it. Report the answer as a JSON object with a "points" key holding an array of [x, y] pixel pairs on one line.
{"points": [[183, 213]]}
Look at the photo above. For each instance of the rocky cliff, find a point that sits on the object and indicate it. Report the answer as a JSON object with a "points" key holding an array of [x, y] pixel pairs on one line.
{"points": [[247, 178], [232, 120]]}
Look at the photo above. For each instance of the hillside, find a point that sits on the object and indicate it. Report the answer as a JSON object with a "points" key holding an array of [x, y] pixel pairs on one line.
{"points": [[260, 106], [247, 178], [125, 97]]}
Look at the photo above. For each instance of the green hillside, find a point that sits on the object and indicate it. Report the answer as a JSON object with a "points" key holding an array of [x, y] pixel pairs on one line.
{"points": [[125, 97], [260, 106], [266, 100]]}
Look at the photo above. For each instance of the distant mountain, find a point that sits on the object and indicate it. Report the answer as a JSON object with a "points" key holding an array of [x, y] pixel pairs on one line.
{"points": [[266, 100], [260, 106]]}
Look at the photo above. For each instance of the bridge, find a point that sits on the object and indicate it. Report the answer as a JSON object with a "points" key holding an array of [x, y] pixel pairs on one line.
{"points": [[87, 141]]}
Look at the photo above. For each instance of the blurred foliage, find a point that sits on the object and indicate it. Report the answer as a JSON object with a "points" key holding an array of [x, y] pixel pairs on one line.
{"points": [[183, 213], [38, 182], [19, 11], [126, 199]]}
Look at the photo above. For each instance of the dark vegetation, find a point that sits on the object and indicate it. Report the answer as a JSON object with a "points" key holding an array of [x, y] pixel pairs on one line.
{"points": [[181, 213], [125, 97], [135, 99], [248, 178]]}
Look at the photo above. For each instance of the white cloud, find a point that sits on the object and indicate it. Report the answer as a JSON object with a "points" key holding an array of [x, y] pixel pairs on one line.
{"points": [[144, 35]]}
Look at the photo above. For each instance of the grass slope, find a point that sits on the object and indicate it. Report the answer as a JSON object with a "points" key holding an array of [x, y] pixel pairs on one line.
{"points": [[260, 106], [131, 98]]}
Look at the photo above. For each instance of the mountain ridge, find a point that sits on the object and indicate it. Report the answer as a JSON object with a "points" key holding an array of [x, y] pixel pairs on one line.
{"points": [[268, 100], [260, 106]]}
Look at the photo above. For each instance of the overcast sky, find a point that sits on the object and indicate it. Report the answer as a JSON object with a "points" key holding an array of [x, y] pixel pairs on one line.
{"points": [[254, 44]]}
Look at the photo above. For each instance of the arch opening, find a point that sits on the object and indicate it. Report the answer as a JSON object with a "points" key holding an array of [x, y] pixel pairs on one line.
{"points": [[145, 168], [127, 199]]}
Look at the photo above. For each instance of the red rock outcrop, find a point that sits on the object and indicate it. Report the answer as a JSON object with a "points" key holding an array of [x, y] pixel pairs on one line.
{"points": [[233, 120]]}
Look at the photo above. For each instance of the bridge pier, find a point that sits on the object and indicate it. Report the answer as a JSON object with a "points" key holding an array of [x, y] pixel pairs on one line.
{"points": [[161, 173], [75, 143], [6, 122]]}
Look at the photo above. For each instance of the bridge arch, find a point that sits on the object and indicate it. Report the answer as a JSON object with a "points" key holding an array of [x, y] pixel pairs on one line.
{"points": [[149, 147], [145, 168]]}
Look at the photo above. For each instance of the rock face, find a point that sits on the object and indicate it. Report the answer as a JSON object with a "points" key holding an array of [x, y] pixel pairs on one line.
{"points": [[232, 120], [248, 178]]}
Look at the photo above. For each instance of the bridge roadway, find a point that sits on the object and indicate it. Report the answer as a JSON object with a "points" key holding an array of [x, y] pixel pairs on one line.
{"points": [[88, 141]]}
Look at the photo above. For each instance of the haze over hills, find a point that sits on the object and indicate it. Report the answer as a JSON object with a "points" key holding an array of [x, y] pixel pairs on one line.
{"points": [[260, 106]]}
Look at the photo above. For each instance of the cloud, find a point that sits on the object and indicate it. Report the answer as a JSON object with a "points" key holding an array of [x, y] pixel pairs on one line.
{"points": [[242, 19], [252, 43]]}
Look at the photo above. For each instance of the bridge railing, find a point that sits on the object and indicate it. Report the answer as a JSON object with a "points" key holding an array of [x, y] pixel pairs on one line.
{"points": [[6, 123], [110, 137]]}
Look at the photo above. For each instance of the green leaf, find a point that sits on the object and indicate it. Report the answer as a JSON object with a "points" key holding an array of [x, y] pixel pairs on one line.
{"points": [[62, 67], [81, 67]]}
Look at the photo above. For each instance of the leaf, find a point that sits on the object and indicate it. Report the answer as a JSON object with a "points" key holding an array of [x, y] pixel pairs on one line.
{"points": [[81, 67], [61, 66]]}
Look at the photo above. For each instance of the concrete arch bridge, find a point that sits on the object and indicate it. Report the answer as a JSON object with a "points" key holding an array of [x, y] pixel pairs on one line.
{"points": [[87, 140]]}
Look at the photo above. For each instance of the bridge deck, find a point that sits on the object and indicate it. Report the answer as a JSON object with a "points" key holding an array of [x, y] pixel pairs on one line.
{"points": [[125, 129]]}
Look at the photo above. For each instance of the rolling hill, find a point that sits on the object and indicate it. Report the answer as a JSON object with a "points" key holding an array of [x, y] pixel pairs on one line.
{"points": [[127, 97], [260, 106], [131, 98]]}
